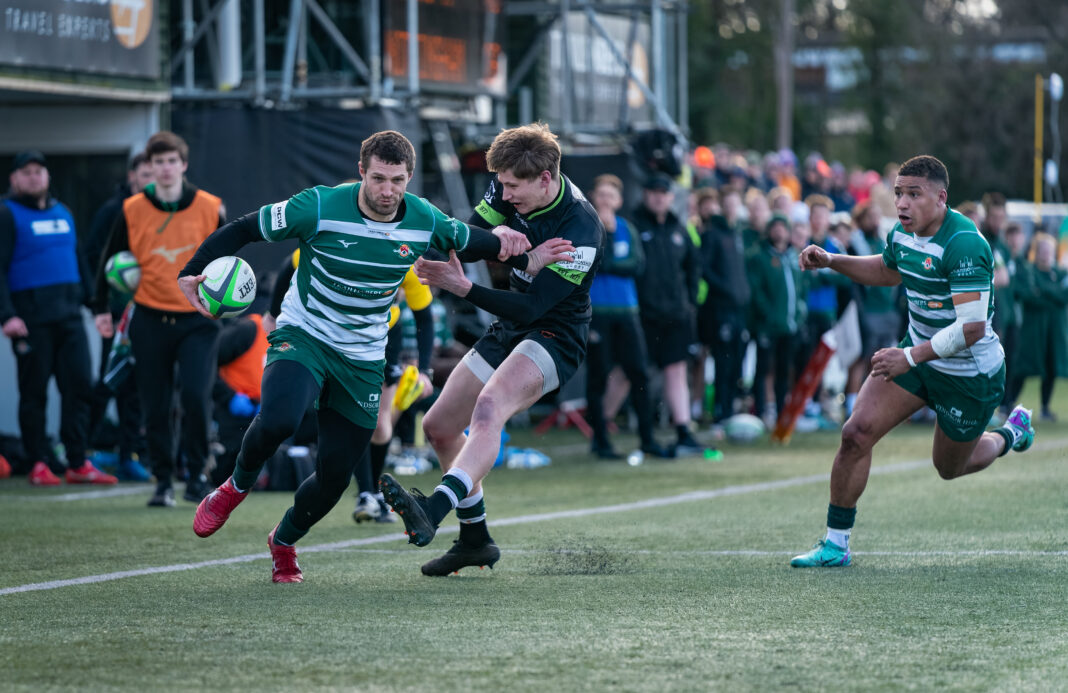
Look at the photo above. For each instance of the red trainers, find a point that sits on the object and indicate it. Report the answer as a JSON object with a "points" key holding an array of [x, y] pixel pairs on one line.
{"points": [[5, 468], [88, 474], [285, 561], [215, 509], [41, 475]]}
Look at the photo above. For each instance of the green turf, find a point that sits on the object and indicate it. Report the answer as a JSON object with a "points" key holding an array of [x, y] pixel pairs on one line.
{"points": [[955, 585]]}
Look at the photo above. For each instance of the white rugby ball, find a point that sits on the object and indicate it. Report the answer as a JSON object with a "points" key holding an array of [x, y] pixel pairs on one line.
{"points": [[123, 272], [229, 287], [744, 428]]}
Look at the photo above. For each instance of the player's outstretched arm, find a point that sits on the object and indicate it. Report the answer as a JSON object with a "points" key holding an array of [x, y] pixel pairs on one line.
{"points": [[547, 289], [865, 269]]}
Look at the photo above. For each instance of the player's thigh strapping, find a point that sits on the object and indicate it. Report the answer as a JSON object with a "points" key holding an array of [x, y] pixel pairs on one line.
{"points": [[556, 352]]}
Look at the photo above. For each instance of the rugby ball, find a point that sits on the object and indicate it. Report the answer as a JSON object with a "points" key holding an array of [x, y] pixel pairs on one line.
{"points": [[744, 428], [229, 287], [123, 272]]}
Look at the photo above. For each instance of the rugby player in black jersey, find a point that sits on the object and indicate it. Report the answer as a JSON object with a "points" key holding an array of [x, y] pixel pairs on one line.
{"points": [[534, 347]]}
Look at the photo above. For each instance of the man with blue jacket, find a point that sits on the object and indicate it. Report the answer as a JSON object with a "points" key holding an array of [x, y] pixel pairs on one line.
{"points": [[615, 330], [44, 281]]}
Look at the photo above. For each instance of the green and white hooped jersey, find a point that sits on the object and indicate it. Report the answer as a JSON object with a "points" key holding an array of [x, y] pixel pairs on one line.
{"points": [[351, 267], [957, 259]]}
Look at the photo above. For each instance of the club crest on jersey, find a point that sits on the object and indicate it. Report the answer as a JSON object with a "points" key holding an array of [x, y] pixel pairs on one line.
{"points": [[404, 250], [928, 263], [283, 347]]}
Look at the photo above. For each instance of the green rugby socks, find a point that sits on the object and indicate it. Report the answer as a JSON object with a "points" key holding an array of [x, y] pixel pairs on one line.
{"points": [[454, 487], [471, 512], [840, 524]]}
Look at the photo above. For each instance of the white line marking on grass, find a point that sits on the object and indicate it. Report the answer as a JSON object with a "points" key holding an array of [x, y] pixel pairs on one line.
{"points": [[759, 553], [522, 519], [124, 490]]}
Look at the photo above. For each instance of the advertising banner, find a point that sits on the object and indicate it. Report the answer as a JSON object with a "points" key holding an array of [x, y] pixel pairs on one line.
{"points": [[112, 37]]}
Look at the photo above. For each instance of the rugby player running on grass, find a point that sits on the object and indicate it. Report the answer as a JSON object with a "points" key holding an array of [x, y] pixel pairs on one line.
{"points": [[950, 360], [534, 348], [357, 241]]}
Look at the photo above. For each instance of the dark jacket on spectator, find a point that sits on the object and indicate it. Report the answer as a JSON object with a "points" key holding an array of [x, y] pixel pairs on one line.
{"points": [[667, 289]]}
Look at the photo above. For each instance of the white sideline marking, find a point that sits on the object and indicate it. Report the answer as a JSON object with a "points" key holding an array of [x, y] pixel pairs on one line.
{"points": [[763, 553], [522, 519], [124, 490]]}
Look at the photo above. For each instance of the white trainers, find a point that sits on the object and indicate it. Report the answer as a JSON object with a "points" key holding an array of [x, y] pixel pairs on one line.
{"points": [[367, 509]]}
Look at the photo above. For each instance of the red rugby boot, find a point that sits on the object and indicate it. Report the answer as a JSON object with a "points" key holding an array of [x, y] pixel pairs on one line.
{"points": [[215, 509], [285, 567]]}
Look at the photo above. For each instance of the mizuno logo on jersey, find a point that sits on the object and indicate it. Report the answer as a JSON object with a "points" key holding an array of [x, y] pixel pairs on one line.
{"points": [[171, 255], [347, 243]]}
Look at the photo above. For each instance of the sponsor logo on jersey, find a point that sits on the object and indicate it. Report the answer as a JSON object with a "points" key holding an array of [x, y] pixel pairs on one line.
{"points": [[278, 215], [581, 259], [935, 304], [404, 250], [171, 255], [957, 417], [48, 227], [354, 291], [966, 268]]}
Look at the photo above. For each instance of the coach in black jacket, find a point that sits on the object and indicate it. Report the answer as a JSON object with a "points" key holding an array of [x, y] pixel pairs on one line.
{"points": [[667, 296], [724, 312]]}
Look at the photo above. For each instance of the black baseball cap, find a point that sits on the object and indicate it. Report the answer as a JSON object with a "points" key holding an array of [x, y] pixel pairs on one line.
{"points": [[30, 156], [658, 181]]}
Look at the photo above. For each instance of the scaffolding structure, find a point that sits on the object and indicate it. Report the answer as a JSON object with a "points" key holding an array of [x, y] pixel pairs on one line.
{"points": [[211, 39]]}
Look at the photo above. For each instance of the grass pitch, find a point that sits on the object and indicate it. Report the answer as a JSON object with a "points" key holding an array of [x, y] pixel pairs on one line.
{"points": [[612, 578]]}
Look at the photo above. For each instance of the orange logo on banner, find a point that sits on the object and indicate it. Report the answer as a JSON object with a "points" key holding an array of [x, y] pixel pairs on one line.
{"points": [[131, 20]]}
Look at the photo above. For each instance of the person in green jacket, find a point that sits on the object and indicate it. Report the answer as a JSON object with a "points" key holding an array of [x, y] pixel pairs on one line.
{"points": [[778, 306], [1043, 293], [1009, 306]]}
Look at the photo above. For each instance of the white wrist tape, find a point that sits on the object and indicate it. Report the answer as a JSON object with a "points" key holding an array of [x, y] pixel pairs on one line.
{"points": [[908, 357], [950, 339]]}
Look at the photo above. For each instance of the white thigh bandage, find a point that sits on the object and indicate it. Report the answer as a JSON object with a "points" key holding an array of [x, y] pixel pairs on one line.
{"points": [[478, 366], [950, 339], [550, 378]]}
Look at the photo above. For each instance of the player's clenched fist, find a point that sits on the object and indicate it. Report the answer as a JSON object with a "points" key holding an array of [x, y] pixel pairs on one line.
{"points": [[512, 242], [815, 257]]}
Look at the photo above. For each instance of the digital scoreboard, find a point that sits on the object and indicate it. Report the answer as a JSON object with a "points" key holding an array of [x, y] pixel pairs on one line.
{"points": [[459, 45]]}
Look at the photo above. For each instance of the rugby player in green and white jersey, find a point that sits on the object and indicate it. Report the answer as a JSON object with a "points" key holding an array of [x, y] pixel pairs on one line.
{"points": [[950, 359], [357, 241]]}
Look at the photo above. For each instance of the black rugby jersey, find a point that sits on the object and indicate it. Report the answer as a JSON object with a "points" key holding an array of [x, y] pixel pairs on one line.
{"points": [[569, 216]]}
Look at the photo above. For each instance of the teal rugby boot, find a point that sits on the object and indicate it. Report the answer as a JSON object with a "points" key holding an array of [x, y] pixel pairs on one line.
{"points": [[1020, 419], [824, 554]]}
